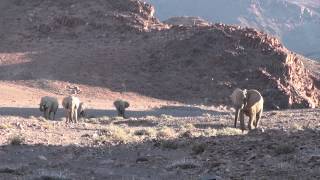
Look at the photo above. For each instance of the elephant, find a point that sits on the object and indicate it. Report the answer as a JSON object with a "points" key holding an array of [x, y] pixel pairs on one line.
{"points": [[49, 105], [82, 110], [249, 103], [121, 106], [71, 105]]}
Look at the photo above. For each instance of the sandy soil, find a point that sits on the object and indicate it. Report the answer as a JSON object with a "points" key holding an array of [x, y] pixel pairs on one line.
{"points": [[168, 141]]}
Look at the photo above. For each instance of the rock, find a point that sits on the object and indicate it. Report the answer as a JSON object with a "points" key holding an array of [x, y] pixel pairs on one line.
{"points": [[42, 157], [85, 135], [210, 177], [142, 159]]}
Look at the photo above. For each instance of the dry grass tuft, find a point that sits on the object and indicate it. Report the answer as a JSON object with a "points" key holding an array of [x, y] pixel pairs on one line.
{"points": [[284, 149], [189, 126], [114, 134], [42, 119], [209, 132], [199, 148], [51, 175], [186, 134], [170, 144], [116, 118], [297, 127], [16, 140], [166, 132], [166, 117], [142, 132], [5, 126], [183, 164], [229, 131]]}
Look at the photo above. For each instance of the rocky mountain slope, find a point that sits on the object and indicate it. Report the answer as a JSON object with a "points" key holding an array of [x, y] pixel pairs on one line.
{"points": [[121, 46], [295, 22]]}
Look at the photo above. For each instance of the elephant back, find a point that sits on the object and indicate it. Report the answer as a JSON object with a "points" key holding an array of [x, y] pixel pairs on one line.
{"points": [[253, 97]]}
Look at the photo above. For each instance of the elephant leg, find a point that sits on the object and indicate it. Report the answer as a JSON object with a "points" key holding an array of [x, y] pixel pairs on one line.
{"points": [[124, 116], [47, 116], [242, 126], [70, 116], [122, 113], [255, 122], [236, 118], [67, 116], [75, 116], [54, 116], [44, 114], [252, 118], [258, 117], [119, 112]]}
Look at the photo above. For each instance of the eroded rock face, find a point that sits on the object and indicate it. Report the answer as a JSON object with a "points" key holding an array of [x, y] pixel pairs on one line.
{"points": [[218, 58], [110, 43], [296, 22], [187, 21]]}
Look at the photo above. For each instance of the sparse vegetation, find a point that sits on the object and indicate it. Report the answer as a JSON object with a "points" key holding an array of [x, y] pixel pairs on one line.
{"points": [[198, 148], [5, 126], [166, 132], [16, 140], [183, 164], [229, 132], [284, 149], [142, 132], [114, 134], [166, 117], [297, 127], [186, 134], [170, 144], [178, 80]]}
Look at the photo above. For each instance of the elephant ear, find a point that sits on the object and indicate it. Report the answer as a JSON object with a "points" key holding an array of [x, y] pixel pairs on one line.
{"points": [[126, 104], [237, 97], [116, 104], [245, 94]]}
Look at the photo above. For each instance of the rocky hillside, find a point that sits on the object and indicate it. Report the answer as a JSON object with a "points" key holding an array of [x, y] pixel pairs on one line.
{"points": [[295, 22], [120, 45]]}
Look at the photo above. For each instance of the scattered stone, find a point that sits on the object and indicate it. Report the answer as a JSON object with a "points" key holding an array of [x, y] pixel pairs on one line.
{"points": [[210, 177], [42, 157], [141, 159]]}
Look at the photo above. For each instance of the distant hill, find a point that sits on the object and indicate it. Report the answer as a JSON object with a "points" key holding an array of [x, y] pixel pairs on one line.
{"points": [[295, 22], [119, 45]]}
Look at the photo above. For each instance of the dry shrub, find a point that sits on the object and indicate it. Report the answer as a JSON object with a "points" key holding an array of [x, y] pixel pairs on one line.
{"points": [[284, 149], [143, 132], [186, 134], [51, 175], [189, 126], [16, 140], [104, 118], [5, 126], [297, 127], [170, 144], [183, 164], [209, 132], [117, 118], [115, 134], [166, 132], [92, 121], [42, 119], [229, 131], [206, 115], [198, 148], [166, 117], [149, 118]]}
